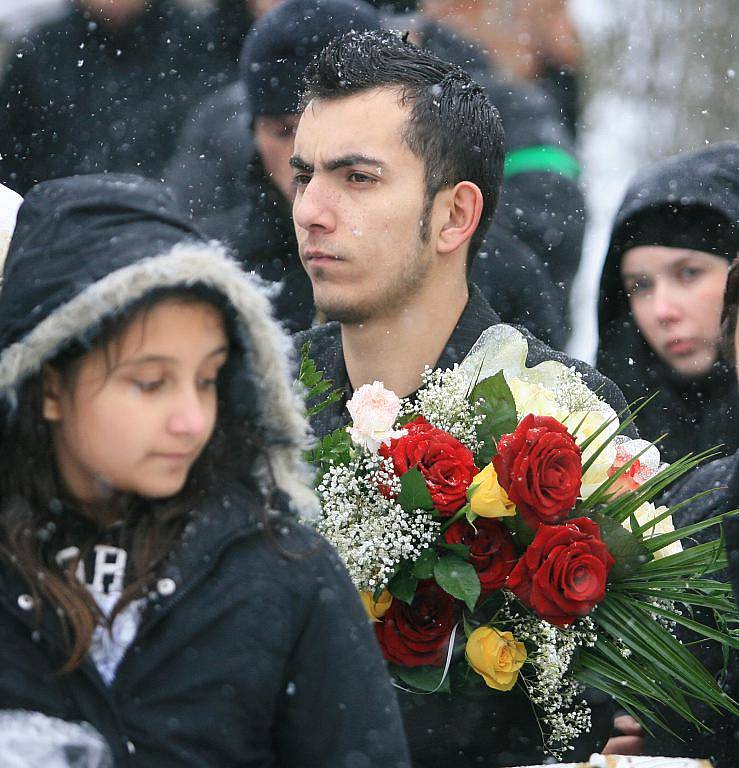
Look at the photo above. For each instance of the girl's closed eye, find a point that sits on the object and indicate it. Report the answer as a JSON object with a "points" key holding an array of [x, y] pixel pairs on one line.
{"points": [[148, 385]]}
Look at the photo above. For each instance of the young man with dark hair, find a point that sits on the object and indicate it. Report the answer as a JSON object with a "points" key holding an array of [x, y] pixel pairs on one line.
{"points": [[397, 167]]}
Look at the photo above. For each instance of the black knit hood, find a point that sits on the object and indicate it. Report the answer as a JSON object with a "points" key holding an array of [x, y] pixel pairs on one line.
{"points": [[661, 207], [86, 248]]}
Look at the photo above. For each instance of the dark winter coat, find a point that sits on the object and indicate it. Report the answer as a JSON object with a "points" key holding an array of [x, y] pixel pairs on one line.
{"points": [[698, 413], [253, 648], [78, 97], [209, 168], [261, 656], [722, 478]]}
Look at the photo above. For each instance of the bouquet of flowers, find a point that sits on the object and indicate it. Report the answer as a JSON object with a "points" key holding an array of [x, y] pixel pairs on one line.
{"points": [[500, 527]]}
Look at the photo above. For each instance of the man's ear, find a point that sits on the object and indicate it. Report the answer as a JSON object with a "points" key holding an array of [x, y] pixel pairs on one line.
{"points": [[51, 383], [463, 204]]}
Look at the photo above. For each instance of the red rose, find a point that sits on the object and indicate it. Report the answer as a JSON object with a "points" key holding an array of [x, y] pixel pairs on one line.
{"points": [[492, 551], [540, 468], [418, 634], [446, 464], [563, 572]]}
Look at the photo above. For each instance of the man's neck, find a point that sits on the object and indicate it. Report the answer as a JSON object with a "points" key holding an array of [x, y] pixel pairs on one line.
{"points": [[395, 348]]}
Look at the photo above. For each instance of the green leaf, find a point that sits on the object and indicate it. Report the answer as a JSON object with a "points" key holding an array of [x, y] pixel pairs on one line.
{"points": [[628, 551], [414, 493], [495, 402], [315, 384], [421, 678], [458, 578], [423, 568], [521, 532], [335, 448], [460, 550], [403, 586]]}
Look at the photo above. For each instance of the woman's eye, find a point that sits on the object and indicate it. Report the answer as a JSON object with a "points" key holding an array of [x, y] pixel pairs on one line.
{"points": [[148, 386], [635, 288], [207, 383], [689, 273]]}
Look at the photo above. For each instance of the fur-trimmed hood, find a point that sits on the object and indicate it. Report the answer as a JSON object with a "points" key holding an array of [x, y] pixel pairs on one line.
{"points": [[87, 247]]}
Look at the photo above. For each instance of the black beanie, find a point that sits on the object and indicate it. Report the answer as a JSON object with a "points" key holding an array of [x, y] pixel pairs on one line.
{"points": [[285, 40], [694, 227]]}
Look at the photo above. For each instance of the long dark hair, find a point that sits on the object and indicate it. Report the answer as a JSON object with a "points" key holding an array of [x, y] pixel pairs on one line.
{"points": [[35, 505]]}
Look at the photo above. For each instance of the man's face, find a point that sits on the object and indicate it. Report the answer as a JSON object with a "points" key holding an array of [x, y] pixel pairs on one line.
{"points": [[274, 137], [358, 206]]}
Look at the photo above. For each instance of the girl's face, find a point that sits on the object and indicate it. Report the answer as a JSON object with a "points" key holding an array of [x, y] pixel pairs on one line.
{"points": [[140, 413], [676, 297]]}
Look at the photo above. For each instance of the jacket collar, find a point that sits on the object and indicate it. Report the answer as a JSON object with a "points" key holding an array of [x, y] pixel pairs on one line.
{"points": [[476, 317]]}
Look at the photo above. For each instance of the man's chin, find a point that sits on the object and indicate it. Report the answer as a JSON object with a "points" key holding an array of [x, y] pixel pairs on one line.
{"points": [[342, 313]]}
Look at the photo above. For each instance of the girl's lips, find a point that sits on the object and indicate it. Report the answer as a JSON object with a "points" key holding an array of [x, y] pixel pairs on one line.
{"points": [[681, 346]]}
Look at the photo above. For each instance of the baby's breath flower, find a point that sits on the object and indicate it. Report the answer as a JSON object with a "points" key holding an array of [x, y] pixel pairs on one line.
{"points": [[371, 532]]}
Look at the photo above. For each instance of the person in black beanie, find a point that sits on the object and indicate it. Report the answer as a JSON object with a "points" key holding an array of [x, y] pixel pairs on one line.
{"points": [[661, 295]]}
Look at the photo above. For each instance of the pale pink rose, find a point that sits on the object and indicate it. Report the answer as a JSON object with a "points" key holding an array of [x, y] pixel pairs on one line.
{"points": [[643, 469], [373, 410]]}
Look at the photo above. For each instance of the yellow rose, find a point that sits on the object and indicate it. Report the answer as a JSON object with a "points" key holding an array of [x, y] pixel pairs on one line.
{"points": [[496, 656], [487, 498], [376, 610]]}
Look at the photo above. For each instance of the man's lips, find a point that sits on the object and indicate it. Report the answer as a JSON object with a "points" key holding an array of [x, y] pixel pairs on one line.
{"points": [[320, 258]]}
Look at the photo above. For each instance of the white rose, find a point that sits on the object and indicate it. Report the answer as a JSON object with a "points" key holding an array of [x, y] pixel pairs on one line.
{"points": [[647, 512], [533, 398], [582, 425], [373, 410]]}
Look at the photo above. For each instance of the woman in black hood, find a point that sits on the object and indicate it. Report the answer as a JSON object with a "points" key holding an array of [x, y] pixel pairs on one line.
{"points": [[153, 579], [661, 292]]}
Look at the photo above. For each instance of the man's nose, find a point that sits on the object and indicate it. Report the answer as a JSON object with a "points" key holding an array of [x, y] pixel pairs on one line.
{"points": [[314, 207]]}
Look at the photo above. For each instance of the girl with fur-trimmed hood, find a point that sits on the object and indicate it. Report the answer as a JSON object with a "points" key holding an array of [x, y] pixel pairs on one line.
{"points": [[153, 581]]}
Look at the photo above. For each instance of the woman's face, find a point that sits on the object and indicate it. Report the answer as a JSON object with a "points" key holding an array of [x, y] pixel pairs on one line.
{"points": [[140, 412], [676, 297]]}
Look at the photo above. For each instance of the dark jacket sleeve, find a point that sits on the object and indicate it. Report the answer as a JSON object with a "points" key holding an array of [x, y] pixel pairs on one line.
{"points": [[338, 708]]}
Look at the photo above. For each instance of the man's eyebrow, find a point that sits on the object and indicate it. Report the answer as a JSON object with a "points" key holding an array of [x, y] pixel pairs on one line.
{"points": [[344, 161], [299, 164], [349, 160]]}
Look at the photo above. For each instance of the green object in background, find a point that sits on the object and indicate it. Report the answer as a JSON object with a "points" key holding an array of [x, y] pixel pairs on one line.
{"points": [[545, 158]]}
